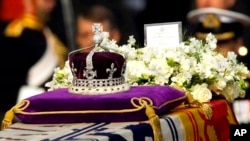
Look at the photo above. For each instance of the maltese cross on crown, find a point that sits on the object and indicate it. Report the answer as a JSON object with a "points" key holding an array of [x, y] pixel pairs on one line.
{"points": [[97, 30]]}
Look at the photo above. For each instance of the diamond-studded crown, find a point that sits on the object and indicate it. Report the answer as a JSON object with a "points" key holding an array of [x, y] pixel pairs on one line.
{"points": [[97, 72]]}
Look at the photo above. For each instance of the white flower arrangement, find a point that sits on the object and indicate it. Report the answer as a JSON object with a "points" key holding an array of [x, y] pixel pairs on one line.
{"points": [[194, 66]]}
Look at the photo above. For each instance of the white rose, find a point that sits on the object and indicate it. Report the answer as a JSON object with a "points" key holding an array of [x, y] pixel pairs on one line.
{"points": [[201, 93], [220, 84], [231, 91]]}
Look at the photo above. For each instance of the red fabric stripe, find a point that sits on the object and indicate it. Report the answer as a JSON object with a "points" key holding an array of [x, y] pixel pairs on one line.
{"points": [[10, 9]]}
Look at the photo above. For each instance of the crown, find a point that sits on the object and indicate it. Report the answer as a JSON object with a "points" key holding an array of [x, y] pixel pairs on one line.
{"points": [[97, 72]]}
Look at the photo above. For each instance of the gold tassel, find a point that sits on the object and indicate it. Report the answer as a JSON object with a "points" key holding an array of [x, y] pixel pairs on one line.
{"points": [[8, 118], [207, 110], [10, 115], [154, 121]]}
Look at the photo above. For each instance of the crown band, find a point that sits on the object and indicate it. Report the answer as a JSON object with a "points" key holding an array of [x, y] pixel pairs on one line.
{"points": [[98, 82], [99, 90]]}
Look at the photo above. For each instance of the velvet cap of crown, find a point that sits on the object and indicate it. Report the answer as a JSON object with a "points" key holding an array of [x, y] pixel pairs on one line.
{"points": [[97, 72], [224, 24]]}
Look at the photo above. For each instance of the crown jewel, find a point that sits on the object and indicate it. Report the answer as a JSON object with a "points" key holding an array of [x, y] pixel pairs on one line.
{"points": [[97, 72], [97, 29]]}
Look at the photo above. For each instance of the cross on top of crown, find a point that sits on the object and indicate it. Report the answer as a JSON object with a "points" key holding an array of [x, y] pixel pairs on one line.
{"points": [[97, 29]]}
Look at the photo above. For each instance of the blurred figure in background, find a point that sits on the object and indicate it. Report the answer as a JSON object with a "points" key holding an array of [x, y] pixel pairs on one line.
{"points": [[238, 6], [95, 14], [227, 21], [227, 26], [119, 13], [222, 4], [29, 53]]}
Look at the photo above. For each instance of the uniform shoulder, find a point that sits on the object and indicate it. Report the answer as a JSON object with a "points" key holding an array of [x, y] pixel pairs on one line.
{"points": [[16, 27]]}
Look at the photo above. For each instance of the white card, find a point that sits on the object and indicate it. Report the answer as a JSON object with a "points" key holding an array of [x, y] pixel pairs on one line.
{"points": [[165, 35]]}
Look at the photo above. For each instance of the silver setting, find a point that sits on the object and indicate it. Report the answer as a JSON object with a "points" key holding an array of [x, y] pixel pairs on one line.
{"points": [[97, 37], [99, 90], [111, 70], [73, 70], [98, 82], [123, 69], [89, 73]]}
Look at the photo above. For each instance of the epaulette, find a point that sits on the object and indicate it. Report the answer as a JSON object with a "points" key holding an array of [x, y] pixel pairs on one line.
{"points": [[15, 28]]}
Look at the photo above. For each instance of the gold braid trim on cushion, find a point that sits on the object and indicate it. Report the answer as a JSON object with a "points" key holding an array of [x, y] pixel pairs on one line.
{"points": [[138, 103]]}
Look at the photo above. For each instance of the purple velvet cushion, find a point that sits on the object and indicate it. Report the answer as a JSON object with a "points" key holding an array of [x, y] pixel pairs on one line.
{"points": [[60, 106]]}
